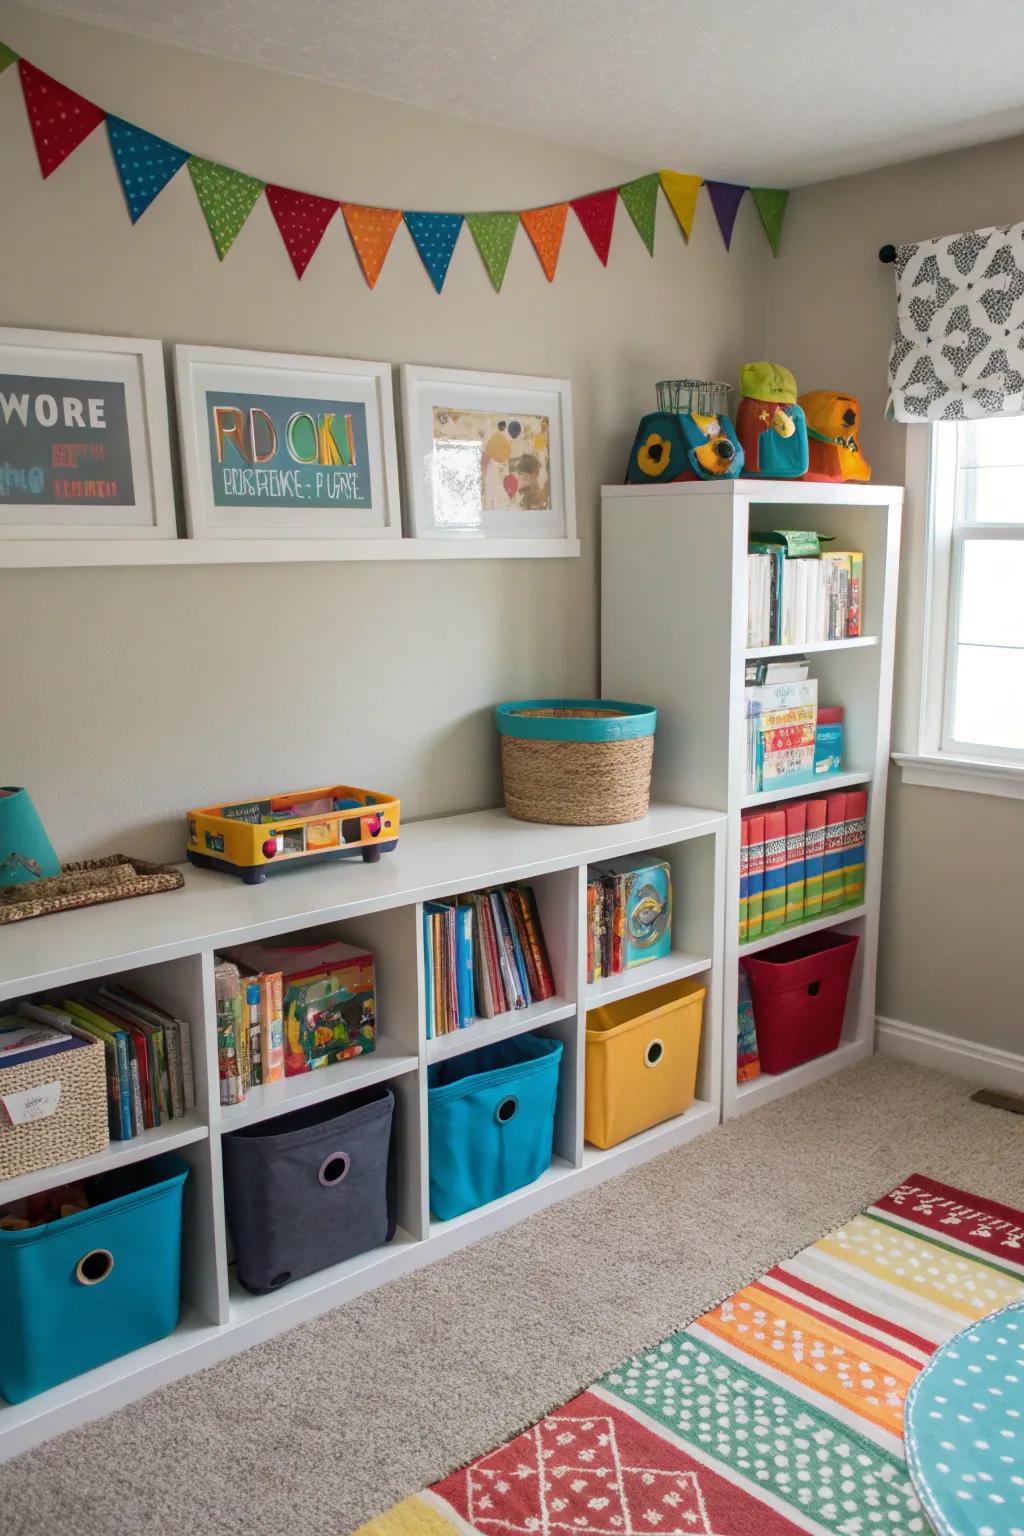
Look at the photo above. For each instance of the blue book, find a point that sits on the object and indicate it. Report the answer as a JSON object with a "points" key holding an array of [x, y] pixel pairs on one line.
{"points": [[464, 916], [517, 949]]}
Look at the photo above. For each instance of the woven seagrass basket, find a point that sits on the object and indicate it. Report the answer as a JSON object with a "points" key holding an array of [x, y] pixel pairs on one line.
{"points": [[577, 762], [75, 1128]]}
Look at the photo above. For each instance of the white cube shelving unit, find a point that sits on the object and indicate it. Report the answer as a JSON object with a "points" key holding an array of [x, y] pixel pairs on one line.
{"points": [[673, 632], [166, 945]]}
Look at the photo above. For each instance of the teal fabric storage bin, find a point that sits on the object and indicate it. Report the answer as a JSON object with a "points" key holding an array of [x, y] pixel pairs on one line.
{"points": [[491, 1121], [78, 1292]]}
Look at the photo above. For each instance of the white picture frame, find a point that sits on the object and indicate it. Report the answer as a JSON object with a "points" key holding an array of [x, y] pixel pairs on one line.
{"points": [[233, 490], [84, 442], [454, 488]]}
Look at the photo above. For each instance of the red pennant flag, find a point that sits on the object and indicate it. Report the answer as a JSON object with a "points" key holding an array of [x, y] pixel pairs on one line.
{"points": [[596, 213], [59, 117], [302, 218]]}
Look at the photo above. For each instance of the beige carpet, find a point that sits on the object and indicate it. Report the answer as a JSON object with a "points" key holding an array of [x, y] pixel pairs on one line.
{"points": [[312, 1433]]}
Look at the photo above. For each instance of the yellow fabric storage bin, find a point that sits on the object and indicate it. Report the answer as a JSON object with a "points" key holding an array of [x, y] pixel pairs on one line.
{"points": [[642, 1060]]}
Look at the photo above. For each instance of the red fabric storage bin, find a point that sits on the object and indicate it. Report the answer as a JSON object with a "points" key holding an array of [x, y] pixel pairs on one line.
{"points": [[799, 995]]}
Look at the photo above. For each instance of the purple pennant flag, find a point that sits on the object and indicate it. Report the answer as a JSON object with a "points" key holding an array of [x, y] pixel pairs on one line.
{"points": [[725, 197]]}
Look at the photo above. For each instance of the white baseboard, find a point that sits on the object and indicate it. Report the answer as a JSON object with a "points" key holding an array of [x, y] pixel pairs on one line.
{"points": [[982, 1064]]}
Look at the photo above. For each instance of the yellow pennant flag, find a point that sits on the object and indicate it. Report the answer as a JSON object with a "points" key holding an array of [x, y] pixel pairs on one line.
{"points": [[681, 192]]}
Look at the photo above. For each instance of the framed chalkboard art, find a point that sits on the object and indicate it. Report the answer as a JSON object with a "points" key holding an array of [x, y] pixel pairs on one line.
{"points": [[281, 446], [83, 438]]}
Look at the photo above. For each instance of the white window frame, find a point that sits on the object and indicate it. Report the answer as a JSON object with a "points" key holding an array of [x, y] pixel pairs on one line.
{"points": [[942, 761]]}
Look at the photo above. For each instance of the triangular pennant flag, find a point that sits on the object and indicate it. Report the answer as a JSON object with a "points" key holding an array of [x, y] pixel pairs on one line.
{"points": [[725, 197], [302, 218], [435, 235], [771, 205], [7, 57], [144, 163], [681, 192], [494, 234], [641, 200], [226, 197], [596, 212], [372, 231], [545, 227], [60, 118]]}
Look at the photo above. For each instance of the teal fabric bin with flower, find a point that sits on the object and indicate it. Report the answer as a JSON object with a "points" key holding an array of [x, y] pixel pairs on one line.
{"points": [[82, 1290], [491, 1121]]}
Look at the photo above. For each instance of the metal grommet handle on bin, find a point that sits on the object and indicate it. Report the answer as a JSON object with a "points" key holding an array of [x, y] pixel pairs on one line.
{"points": [[334, 1168], [507, 1110], [813, 988], [94, 1267], [654, 1052]]}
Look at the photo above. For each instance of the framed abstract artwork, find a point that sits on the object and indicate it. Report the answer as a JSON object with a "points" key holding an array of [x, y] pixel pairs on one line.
{"points": [[281, 446], [487, 455], [84, 450]]}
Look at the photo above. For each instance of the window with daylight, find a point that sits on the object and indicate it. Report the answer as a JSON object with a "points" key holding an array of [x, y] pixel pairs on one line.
{"points": [[974, 706]]}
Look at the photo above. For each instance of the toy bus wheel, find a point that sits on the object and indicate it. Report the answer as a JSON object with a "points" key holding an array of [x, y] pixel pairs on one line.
{"points": [[371, 855]]}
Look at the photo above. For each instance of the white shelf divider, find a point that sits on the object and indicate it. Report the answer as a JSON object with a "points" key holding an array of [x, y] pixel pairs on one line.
{"points": [[165, 945], [678, 555], [642, 978]]}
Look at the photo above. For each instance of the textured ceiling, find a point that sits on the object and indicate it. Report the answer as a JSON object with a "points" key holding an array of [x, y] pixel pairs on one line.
{"points": [[769, 93]]}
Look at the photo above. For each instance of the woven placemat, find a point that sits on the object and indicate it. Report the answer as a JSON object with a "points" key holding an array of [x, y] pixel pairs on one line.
{"points": [[87, 885]]}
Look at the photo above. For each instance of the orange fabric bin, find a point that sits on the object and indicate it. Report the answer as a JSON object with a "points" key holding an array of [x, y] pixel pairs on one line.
{"points": [[642, 1060]]}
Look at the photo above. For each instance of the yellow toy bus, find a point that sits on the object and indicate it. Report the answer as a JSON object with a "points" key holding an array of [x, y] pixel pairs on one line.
{"points": [[255, 838]]}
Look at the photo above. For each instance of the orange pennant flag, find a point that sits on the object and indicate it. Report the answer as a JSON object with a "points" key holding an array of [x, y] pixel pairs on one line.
{"points": [[372, 231], [681, 192], [545, 227]]}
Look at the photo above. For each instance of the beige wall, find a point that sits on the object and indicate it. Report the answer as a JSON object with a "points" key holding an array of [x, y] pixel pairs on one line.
{"points": [[138, 693], [953, 903]]}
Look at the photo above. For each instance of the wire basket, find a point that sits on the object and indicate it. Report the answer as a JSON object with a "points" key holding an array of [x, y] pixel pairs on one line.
{"points": [[707, 397]]}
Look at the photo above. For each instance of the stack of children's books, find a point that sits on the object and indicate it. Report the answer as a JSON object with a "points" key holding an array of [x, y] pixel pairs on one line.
{"points": [[483, 954], [782, 717], [150, 1076], [798, 594], [629, 914], [800, 860]]}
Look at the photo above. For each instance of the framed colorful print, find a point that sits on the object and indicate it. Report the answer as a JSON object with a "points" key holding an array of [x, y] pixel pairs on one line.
{"points": [[488, 455], [84, 450], [281, 446]]}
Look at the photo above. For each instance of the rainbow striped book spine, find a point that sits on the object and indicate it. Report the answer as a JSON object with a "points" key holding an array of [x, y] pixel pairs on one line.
{"points": [[814, 858], [774, 871], [755, 875], [835, 833], [853, 846], [796, 828]]}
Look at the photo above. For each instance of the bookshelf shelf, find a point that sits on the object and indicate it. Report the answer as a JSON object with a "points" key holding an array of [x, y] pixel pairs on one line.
{"points": [[387, 1060], [502, 1027], [812, 648], [166, 945], [799, 930], [819, 786], [164, 1138], [641, 978], [677, 554]]}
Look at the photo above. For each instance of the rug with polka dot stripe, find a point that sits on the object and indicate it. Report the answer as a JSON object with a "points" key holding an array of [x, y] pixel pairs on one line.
{"points": [[783, 1409]]}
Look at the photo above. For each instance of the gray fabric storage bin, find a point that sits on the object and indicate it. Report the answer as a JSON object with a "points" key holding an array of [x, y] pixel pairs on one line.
{"points": [[310, 1189]]}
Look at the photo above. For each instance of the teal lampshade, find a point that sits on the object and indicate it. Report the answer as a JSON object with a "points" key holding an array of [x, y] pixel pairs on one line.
{"points": [[26, 852]]}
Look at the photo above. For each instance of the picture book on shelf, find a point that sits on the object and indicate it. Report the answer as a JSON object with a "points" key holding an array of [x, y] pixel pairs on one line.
{"points": [[799, 859], [484, 955], [629, 914]]}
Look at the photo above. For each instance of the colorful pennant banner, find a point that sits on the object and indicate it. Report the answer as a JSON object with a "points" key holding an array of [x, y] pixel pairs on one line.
{"points": [[61, 120]]}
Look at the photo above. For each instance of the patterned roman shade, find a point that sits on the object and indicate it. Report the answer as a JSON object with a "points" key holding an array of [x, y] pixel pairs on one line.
{"points": [[958, 350]]}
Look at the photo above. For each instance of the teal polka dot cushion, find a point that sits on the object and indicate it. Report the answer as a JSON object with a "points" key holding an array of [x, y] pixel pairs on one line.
{"points": [[964, 1428]]}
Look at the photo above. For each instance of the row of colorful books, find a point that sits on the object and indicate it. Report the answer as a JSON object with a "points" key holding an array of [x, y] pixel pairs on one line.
{"points": [[484, 954], [800, 860], [800, 601], [781, 725], [629, 914], [150, 1075]]}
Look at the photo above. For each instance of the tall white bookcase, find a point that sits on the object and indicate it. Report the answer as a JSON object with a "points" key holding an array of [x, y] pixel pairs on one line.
{"points": [[673, 634]]}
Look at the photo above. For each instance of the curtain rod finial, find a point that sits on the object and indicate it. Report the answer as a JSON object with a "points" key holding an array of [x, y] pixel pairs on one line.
{"points": [[887, 254]]}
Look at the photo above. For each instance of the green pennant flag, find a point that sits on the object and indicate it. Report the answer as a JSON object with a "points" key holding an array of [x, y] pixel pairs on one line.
{"points": [[7, 57], [226, 197], [494, 234], [641, 200], [771, 205]]}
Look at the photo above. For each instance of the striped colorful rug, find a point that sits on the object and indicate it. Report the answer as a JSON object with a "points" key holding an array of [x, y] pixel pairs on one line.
{"points": [[780, 1411]]}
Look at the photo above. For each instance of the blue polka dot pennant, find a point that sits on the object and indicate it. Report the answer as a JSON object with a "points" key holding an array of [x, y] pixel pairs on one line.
{"points": [[144, 163], [435, 235]]}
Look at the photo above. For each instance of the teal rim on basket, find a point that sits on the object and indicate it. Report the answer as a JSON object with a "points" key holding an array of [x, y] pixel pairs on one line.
{"points": [[575, 720]]}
